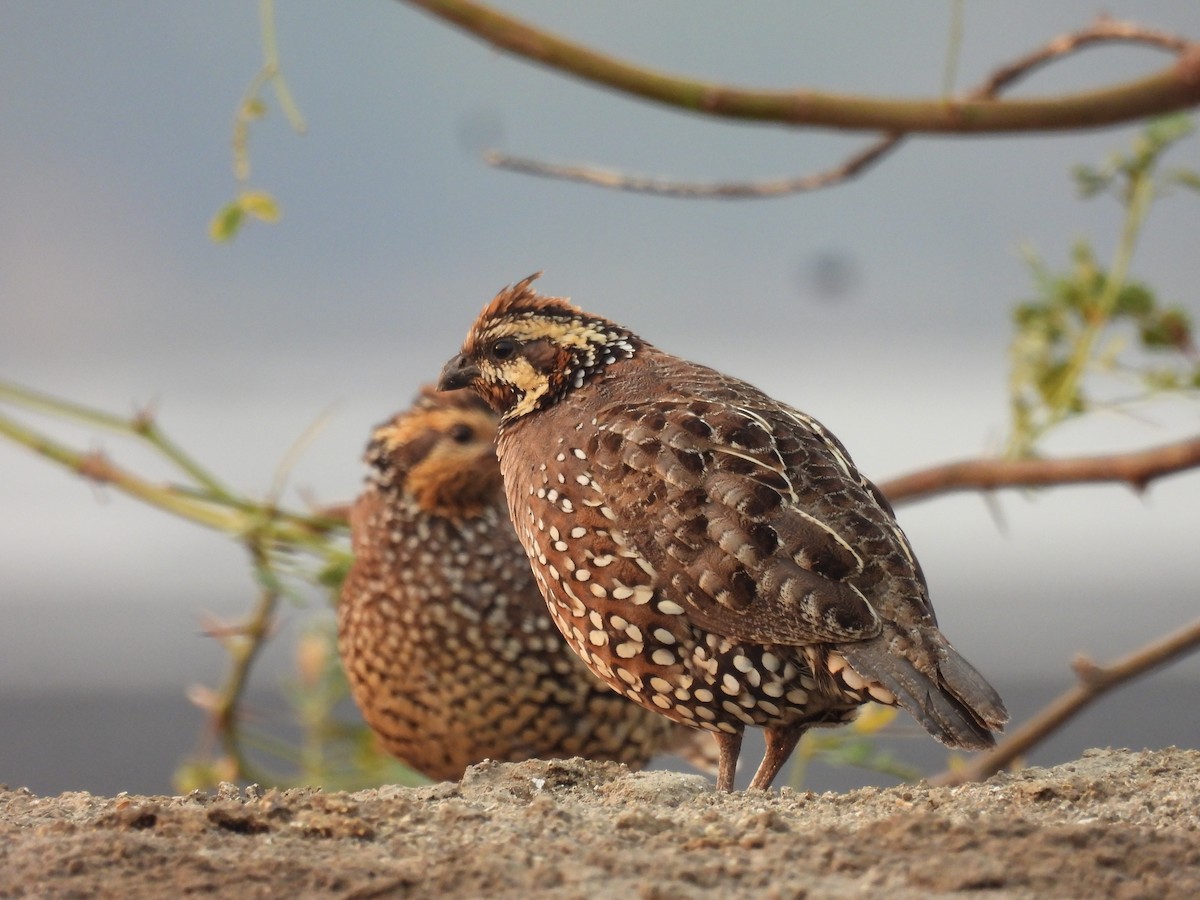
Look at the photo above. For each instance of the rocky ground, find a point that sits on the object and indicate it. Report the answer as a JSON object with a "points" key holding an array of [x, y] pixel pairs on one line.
{"points": [[1112, 824]]}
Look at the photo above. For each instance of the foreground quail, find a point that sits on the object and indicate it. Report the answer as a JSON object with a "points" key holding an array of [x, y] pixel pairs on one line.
{"points": [[445, 640], [711, 553]]}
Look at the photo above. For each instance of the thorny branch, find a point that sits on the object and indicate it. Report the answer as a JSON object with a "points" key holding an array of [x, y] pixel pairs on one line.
{"points": [[1094, 682], [978, 111], [262, 528], [207, 503], [243, 642], [1136, 469]]}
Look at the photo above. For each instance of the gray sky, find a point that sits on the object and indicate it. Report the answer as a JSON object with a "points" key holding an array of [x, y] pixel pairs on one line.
{"points": [[115, 153]]}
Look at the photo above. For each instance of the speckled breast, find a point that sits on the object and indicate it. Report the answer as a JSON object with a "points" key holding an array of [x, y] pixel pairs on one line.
{"points": [[604, 597]]}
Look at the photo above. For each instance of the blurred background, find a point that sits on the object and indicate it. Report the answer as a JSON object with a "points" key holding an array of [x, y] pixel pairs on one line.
{"points": [[882, 307]]}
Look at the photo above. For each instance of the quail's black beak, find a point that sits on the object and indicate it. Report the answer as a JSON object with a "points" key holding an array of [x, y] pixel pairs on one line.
{"points": [[458, 373]]}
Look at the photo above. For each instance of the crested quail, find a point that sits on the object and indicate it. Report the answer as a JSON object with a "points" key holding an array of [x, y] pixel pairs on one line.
{"points": [[444, 638], [711, 553]]}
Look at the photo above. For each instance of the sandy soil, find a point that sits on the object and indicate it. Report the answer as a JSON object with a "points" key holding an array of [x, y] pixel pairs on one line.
{"points": [[1112, 824]]}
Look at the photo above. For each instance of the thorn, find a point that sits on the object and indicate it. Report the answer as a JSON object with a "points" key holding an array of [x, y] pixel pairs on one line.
{"points": [[144, 417], [203, 697], [95, 467], [992, 501], [1086, 670], [215, 628]]}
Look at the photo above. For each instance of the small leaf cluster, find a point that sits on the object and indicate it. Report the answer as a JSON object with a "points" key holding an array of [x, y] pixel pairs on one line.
{"points": [[1120, 171], [248, 204], [1094, 319], [1050, 328]]}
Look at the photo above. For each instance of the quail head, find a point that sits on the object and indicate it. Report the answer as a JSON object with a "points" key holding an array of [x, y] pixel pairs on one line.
{"points": [[710, 552], [444, 637]]}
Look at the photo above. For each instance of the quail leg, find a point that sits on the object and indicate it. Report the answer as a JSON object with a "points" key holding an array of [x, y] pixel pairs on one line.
{"points": [[780, 744], [728, 748]]}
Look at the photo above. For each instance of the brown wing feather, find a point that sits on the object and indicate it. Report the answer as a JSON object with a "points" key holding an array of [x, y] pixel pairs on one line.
{"points": [[708, 491]]}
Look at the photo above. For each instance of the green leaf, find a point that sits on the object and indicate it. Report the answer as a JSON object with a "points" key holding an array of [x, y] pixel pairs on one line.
{"points": [[1134, 300], [1089, 181], [260, 204], [226, 222], [1168, 129], [1030, 314], [1051, 378], [1172, 330], [334, 572]]}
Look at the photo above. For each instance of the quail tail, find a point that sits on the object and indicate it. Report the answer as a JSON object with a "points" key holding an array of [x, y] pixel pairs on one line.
{"points": [[955, 704]]}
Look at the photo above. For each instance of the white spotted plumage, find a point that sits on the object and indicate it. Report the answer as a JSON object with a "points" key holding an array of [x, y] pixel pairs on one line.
{"points": [[769, 579], [442, 632]]}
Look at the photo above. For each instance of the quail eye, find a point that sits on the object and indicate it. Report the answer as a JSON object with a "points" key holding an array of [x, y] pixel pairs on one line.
{"points": [[460, 433], [503, 349]]}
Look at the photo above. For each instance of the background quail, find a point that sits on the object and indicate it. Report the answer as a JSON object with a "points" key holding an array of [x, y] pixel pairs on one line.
{"points": [[710, 552], [445, 640]]}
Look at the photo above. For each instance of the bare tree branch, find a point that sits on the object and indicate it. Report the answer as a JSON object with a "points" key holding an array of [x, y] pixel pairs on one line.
{"points": [[1136, 469], [853, 166], [1094, 682], [1104, 30], [1174, 88]]}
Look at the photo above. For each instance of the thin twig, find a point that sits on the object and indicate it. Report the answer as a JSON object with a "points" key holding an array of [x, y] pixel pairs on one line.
{"points": [[293, 455], [207, 502], [270, 535], [97, 468], [1104, 30], [1137, 469], [145, 425], [732, 190], [243, 650], [210, 504], [953, 48], [67, 409], [251, 107], [1094, 682], [283, 94], [142, 425]]}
